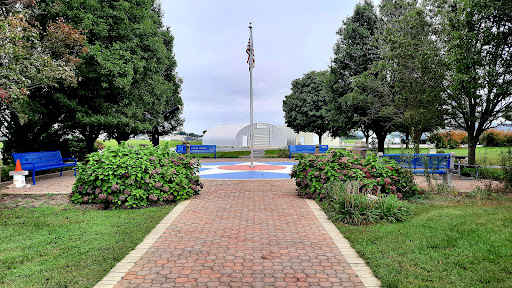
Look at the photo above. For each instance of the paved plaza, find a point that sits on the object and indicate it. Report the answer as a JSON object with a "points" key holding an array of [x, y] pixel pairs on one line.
{"points": [[244, 233]]}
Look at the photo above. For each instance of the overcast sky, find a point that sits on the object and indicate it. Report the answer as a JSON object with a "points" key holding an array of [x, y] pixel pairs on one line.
{"points": [[291, 37]]}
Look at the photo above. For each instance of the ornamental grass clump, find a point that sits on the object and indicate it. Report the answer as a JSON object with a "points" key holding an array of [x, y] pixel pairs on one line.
{"points": [[344, 203], [374, 175], [124, 177]]}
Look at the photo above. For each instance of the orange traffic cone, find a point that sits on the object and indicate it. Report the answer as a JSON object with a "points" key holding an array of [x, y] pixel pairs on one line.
{"points": [[18, 166]]}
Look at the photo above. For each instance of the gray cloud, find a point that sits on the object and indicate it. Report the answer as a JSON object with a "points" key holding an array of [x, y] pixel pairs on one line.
{"points": [[291, 37]]}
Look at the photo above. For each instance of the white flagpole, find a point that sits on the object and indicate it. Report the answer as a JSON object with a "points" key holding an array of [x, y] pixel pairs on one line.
{"points": [[250, 73]]}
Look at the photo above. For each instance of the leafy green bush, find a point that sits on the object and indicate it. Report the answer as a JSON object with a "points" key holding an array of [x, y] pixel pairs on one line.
{"points": [[374, 176], [496, 138], [483, 173], [506, 167], [123, 177], [448, 140], [343, 203]]}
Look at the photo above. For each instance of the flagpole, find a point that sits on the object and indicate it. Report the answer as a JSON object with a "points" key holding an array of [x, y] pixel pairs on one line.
{"points": [[252, 124]]}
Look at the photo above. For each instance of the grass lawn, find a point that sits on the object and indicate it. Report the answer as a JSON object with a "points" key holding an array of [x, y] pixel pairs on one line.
{"points": [[1, 145], [484, 155], [66, 246], [135, 142], [443, 245]]}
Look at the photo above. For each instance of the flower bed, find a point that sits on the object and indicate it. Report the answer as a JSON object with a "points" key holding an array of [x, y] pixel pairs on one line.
{"points": [[374, 176], [123, 177]]}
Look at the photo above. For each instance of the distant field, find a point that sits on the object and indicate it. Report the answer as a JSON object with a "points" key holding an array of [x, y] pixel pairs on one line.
{"points": [[133, 142]]}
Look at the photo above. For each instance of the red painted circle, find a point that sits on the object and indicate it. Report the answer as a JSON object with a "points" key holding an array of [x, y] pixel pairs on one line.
{"points": [[249, 168]]}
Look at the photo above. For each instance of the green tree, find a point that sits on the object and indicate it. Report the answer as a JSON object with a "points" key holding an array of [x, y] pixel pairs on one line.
{"points": [[305, 109], [128, 74], [354, 105], [479, 45], [414, 65], [34, 55]]}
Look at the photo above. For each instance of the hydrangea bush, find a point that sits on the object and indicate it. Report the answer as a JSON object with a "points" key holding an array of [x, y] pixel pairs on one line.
{"points": [[123, 177], [373, 175]]}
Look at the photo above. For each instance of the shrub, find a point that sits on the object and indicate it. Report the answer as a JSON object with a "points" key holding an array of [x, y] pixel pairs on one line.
{"points": [[123, 177], [344, 204], [374, 176], [449, 140], [506, 167], [99, 144], [496, 138]]}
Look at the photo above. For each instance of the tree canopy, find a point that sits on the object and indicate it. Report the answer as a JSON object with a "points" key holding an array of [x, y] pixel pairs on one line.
{"points": [[128, 73], [305, 109]]}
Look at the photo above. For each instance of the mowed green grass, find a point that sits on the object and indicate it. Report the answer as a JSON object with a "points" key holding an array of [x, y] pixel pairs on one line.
{"points": [[135, 142], [66, 246], [441, 246], [484, 155]]}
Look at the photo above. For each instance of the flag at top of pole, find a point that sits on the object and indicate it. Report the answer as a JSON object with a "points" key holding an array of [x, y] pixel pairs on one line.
{"points": [[250, 49]]}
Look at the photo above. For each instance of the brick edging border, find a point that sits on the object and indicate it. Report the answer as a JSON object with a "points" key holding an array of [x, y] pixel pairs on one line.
{"points": [[357, 263], [119, 271]]}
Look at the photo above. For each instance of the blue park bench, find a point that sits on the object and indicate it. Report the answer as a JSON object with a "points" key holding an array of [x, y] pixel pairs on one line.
{"points": [[441, 164], [310, 149], [38, 161], [182, 149]]}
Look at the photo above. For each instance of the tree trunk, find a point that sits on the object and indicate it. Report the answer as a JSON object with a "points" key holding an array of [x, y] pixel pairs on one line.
{"points": [[121, 137], [155, 140], [381, 139], [90, 136], [319, 138], [472, 141], [417, 139], [407, 136]]}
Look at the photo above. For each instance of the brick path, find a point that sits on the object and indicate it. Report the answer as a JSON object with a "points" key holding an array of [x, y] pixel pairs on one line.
{"points": [[244, 233]]}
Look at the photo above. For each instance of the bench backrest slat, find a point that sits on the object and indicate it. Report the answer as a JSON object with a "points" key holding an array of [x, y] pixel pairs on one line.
{"points": [[418, 161], [307, 148], [38, 158], [197, 148]]}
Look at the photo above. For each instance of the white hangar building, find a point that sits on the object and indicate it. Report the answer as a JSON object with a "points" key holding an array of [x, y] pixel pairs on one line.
{"points": [[237, 135], [265, 135]]}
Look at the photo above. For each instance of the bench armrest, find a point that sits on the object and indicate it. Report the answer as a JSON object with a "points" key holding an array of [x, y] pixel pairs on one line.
{"points": [[30, 163], [64, 159]]}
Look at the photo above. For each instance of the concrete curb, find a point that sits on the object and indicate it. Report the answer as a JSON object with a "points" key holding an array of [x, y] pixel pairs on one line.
{"points": [[119, 271], [357, 263]]}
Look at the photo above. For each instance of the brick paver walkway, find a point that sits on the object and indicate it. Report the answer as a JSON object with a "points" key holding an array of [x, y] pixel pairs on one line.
{"points": [[244, 233]]}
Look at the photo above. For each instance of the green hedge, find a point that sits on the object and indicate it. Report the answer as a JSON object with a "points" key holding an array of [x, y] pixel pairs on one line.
{"points": [[124, 177]]}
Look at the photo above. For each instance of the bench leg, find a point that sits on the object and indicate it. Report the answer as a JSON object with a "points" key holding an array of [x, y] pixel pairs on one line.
{"points": [[447, 179], [74, 169], [33, 177], [60, 171]]}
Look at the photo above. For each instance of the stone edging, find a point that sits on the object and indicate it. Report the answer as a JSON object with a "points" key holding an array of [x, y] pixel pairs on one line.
{"points": [[121, 268], [357, 263]]}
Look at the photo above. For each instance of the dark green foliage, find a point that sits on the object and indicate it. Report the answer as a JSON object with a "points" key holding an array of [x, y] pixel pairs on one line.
{"points": [[479, 40], [496, 138], [128, 79], [373, 175], [124, 177], [344, 204], [305, 109], [354, 53]]}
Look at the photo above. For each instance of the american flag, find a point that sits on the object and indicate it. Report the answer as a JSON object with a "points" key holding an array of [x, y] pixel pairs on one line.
{"points": [[250, 51]]}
